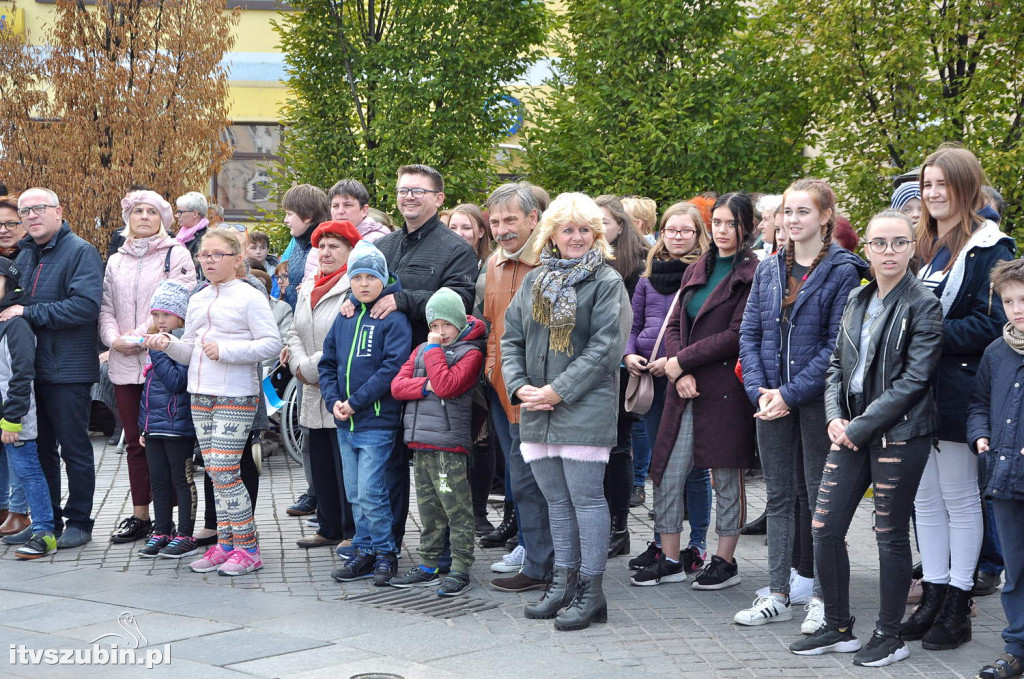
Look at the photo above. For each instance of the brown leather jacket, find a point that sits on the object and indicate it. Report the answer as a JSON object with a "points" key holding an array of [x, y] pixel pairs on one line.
{"points": [[504, 276]]}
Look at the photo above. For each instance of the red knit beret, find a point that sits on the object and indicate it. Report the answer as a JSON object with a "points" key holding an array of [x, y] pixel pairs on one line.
{"points": [[343, 229]]}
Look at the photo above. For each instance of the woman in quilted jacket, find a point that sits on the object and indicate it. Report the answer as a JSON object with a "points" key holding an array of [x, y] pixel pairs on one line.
{"points": [[787, 337], [148, 256]]}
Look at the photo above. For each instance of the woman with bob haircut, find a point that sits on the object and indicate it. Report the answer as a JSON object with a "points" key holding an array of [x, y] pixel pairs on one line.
{"points": [[565, 331], [957, 248]]}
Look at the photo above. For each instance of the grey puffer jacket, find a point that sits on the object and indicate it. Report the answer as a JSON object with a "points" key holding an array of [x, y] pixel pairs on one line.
{"points": [[446, 423], [587, 380]]}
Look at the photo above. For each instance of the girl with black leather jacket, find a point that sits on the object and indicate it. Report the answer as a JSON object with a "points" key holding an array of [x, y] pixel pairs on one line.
{"points": [[881, 418]]}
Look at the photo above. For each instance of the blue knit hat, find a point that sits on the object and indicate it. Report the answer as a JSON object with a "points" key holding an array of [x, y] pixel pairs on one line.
{"points": [[171, 297], [904, 193], [366, 258]]}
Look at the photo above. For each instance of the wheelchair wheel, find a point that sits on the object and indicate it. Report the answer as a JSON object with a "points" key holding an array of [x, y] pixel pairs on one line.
{"points": [[292, 435]]}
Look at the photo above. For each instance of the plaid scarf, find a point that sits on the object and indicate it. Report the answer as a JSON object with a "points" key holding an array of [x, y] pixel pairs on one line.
{"points": [[554, 294]]}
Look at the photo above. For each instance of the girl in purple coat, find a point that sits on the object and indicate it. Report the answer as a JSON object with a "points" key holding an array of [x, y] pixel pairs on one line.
{"points": [[682, 239]]}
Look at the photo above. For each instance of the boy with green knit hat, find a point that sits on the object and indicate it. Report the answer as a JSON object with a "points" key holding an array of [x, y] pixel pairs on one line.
{"points": [[437, 381]]}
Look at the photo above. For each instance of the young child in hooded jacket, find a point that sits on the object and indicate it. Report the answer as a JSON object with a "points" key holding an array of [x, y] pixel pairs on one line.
{"points": [[437, 381]]}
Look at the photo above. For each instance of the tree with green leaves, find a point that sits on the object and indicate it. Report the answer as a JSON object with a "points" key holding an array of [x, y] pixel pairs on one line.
{"points": [[665, 98], [378, 85], [895, 79]]}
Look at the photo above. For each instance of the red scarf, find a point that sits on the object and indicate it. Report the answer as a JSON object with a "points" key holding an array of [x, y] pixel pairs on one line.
{"points": [[323, 284]]}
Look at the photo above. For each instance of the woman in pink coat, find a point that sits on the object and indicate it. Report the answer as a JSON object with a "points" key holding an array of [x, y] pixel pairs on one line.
{"points": [[148, 256]]}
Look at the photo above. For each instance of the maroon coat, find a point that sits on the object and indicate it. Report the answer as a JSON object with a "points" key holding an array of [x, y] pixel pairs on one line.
{"points": [[723, 416]]}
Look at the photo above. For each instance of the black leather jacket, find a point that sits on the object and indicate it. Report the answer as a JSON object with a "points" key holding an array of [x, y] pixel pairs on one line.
{"points": [[903, 357]]}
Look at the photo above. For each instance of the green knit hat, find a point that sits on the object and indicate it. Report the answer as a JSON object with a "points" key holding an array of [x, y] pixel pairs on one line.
{"points": [[446, 305]]}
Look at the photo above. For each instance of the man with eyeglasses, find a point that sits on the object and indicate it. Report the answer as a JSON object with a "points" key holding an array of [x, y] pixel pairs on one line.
{"points": [[425, 256], [62, 276]]}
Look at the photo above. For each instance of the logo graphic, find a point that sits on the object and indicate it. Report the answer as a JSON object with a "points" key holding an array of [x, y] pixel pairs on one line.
{"points": [[130, 648], [127, 622]]}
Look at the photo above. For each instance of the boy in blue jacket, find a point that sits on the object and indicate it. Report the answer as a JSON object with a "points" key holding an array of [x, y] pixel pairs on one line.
{"points": [[994, 429], [360, 358]]}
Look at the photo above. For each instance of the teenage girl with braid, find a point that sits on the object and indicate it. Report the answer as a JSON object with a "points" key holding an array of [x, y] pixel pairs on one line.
{"points": [[787, 337]]}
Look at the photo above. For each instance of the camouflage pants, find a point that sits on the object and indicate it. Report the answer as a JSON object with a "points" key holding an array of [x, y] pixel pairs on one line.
{"points": [[445, 501]]}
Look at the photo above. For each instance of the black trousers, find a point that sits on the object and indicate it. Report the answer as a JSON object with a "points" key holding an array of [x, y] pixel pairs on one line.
{"points": [[62, 412], [333, 511], [171, 478]]}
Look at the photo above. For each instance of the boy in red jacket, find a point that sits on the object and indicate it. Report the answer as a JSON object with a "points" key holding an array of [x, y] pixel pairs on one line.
{"points": [[438, 380]]}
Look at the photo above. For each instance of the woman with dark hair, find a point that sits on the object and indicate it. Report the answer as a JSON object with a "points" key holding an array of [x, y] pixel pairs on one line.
{"points": [[703, 344], [630, 253], [957, 248]]}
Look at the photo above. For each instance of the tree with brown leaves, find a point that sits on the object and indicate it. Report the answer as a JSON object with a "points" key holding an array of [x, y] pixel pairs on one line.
{"points": [[125, 92]]}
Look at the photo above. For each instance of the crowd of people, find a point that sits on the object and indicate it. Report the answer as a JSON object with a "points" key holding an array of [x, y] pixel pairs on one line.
{"points": [[559, 352]]}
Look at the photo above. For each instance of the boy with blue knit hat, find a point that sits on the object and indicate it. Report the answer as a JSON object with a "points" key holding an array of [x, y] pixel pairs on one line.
{"points": [[438, 381], [361, 356]]}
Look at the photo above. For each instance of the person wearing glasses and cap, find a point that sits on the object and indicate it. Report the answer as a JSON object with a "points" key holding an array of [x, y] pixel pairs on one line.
{"points": [[62, 276]]}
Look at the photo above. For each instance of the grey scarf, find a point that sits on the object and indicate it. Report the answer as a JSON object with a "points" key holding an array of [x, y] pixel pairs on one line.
{"points": [[554, 294], [1014, 337]]}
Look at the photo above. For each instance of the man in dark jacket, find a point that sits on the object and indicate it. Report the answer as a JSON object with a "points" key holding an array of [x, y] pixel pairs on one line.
{"points": [[62, 276], [425, 256]]}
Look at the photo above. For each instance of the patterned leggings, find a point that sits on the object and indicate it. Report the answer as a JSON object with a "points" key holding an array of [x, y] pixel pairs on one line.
{"points": [[222, 426]]}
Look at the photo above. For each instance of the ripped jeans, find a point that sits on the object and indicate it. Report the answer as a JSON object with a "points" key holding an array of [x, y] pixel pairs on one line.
{"points": [[894, 472]]}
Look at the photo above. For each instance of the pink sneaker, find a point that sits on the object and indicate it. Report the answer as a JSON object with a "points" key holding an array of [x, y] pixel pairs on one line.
{"points": [[241, 562], [211, 561]]}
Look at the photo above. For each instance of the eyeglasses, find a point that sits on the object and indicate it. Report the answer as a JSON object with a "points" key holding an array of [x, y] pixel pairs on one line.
{"points": [[679, 233], [879, 246], [213, 256], [415, 193], [38, 209], [9, 226], [181, 212]]}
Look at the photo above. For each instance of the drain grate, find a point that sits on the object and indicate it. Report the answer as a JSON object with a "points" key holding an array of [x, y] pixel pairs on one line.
{"points": [[423, 602]]}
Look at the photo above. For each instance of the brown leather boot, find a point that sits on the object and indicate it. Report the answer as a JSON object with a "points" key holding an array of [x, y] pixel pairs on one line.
{"points": [[14, 524]]}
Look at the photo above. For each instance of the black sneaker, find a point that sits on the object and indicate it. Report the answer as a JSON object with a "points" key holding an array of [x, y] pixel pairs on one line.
{"points": [[692, 559], [456, 584], [652, 554], [828, 639], [304, 506], [180, 547], [385, 569], [154, 545], [718, 574], [882, 649], [421, 576], [131, 529], [661, 571], [358, 566], [637, 497]]}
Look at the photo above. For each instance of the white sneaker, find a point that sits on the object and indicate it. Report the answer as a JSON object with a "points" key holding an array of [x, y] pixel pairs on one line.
{"points": [[815, 616], [801, 589], [765, 609], [511, 562]]}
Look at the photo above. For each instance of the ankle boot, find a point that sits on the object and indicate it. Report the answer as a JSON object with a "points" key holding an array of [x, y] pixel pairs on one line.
{"points": [[618, 543], [560, 594], [505, 530], [588, 606], [921, 620], [14, 523], [953, 625]]}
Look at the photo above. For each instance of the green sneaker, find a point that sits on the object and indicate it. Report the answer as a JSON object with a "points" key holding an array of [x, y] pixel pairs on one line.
{"points": [[39, 545]]}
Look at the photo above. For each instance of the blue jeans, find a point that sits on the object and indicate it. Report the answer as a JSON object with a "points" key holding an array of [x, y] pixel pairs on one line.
{"points": [[651, 423], [1007, 518], [12, 494], [503, 428], [24, 458], [365, 456], [641, 445], [991, 558]]}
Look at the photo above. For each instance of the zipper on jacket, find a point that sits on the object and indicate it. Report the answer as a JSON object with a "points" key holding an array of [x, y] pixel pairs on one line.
{"points": [[39, 271], [348, 365], [856, 350], [989, 312], [903, 328], [885, 351], [376, 408], [209, 326], [444, 411]]}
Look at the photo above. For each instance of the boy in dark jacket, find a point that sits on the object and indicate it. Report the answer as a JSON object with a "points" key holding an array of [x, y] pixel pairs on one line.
{"points": [[18, 416], [165, 418], [438, 380], [994, 430], [360, 358]]}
